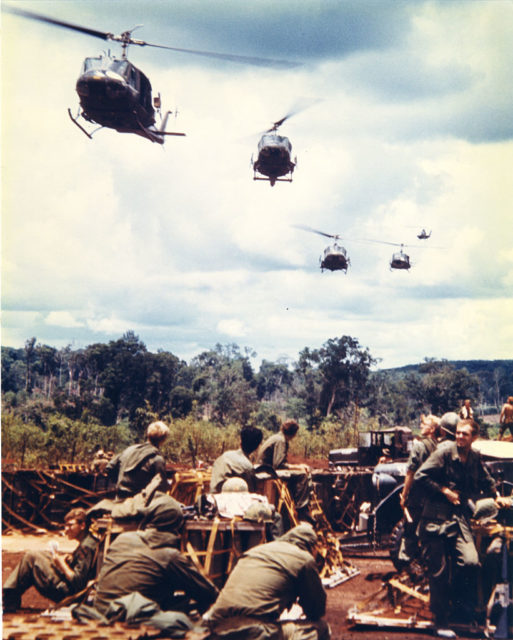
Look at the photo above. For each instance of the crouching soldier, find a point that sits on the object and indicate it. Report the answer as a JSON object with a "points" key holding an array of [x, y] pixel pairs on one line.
{"points": [[267, 580], [148, 561], [55, 576]]}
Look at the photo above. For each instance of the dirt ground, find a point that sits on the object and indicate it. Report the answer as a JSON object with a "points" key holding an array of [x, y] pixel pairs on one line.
{"points": [[340, 599]]}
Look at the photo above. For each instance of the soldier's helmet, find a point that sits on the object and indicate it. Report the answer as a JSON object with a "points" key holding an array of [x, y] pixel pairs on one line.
{"points": [[259, 512], [233, 485], [448, 423], [485, 509]]}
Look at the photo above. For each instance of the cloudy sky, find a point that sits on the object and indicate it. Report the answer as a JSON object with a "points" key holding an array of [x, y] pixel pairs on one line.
{"points": [[409, 126]]}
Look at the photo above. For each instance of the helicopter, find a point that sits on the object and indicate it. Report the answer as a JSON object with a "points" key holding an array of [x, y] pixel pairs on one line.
{"points": [[335, 256], [115, 94], [423, 235], [400, 260], [274, 162]]}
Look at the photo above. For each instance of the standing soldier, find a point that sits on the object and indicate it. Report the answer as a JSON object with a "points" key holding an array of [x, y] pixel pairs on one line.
{"points": [[453, 478], [466, 411], [411, 497], [506, 417]]}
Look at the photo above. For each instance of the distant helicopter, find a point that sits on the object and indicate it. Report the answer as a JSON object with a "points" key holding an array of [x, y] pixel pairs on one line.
{"points": [[335, 256], [400, 260], [273, 162], [114, 93], [423, 235]]}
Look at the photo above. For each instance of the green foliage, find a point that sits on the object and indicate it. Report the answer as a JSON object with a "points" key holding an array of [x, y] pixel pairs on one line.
{"points": [[192, 441], [22, 443], [63, 440], [71, 401]]}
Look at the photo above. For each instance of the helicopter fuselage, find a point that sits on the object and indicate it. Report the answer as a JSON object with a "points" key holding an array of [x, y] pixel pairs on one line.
{"points": [[274, 158], [400, 261], [114, 93], [335, 258]]}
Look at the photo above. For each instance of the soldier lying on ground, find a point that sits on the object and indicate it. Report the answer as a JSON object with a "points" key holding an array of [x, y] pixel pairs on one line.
{"points": [[55, 576], [267, 580]]}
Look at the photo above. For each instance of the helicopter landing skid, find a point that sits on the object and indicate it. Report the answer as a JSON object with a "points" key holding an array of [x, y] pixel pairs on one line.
{"points": [[272, 181], [75, 120]]}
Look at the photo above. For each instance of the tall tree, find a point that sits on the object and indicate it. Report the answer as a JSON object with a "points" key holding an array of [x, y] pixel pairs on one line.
{"points": [[344, 368], [30, 352]]}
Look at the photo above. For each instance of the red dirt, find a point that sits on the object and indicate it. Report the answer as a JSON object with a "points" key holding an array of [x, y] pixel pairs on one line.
{"points": [[340, 599]]}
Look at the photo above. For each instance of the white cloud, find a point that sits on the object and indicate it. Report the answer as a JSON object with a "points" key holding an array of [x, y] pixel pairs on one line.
{"points": [[232, 327], [181, 245], [62, 319]]}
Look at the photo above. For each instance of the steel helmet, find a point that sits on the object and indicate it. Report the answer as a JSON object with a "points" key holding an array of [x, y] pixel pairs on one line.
{"points": [[234, 485], [259, 512]]}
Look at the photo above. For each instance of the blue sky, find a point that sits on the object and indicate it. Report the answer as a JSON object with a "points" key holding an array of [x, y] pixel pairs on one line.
{"points": [[409, 126]]}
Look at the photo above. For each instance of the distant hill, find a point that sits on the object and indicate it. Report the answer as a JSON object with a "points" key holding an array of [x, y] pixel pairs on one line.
{"points": [[495, 377], [472, 366]]}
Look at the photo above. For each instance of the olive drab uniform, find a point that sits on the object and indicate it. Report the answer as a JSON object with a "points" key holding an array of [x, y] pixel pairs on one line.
{"points": [[148, 562], [232, 464], [421, 450], [133, 468], [274, 453], [267, 580], [444, 529], [37, 569]]}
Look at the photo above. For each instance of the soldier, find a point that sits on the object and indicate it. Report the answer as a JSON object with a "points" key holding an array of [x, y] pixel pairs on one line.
{"points": [[274, 453], [411, 500], [466, 411], [236, 462], [134, 467], [453, 477], [55, 576], [506, 417], [148, 561], [267, 580]]}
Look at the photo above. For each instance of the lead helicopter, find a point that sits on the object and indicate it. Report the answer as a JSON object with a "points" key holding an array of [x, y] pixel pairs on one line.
{"points": [[274, 163], [334, 257], [424, 235], [115, 94]]}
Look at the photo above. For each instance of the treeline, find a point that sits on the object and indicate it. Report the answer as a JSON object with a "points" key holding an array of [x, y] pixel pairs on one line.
{"points": [[72, 400]]}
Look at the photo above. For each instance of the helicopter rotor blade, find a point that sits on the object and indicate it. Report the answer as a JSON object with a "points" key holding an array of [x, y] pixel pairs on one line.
{"points": [[397, 244], [104, 35], [127, 39], [321, 233], [301, 105], [254, 60]]}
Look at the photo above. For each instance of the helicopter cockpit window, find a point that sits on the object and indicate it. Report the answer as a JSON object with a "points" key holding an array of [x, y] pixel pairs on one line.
{"points": [[122, 67], [274, 140], [91, 63]]}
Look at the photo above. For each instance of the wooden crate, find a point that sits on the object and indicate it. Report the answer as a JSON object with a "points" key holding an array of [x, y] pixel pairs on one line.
{"points": [[215, 545]]}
